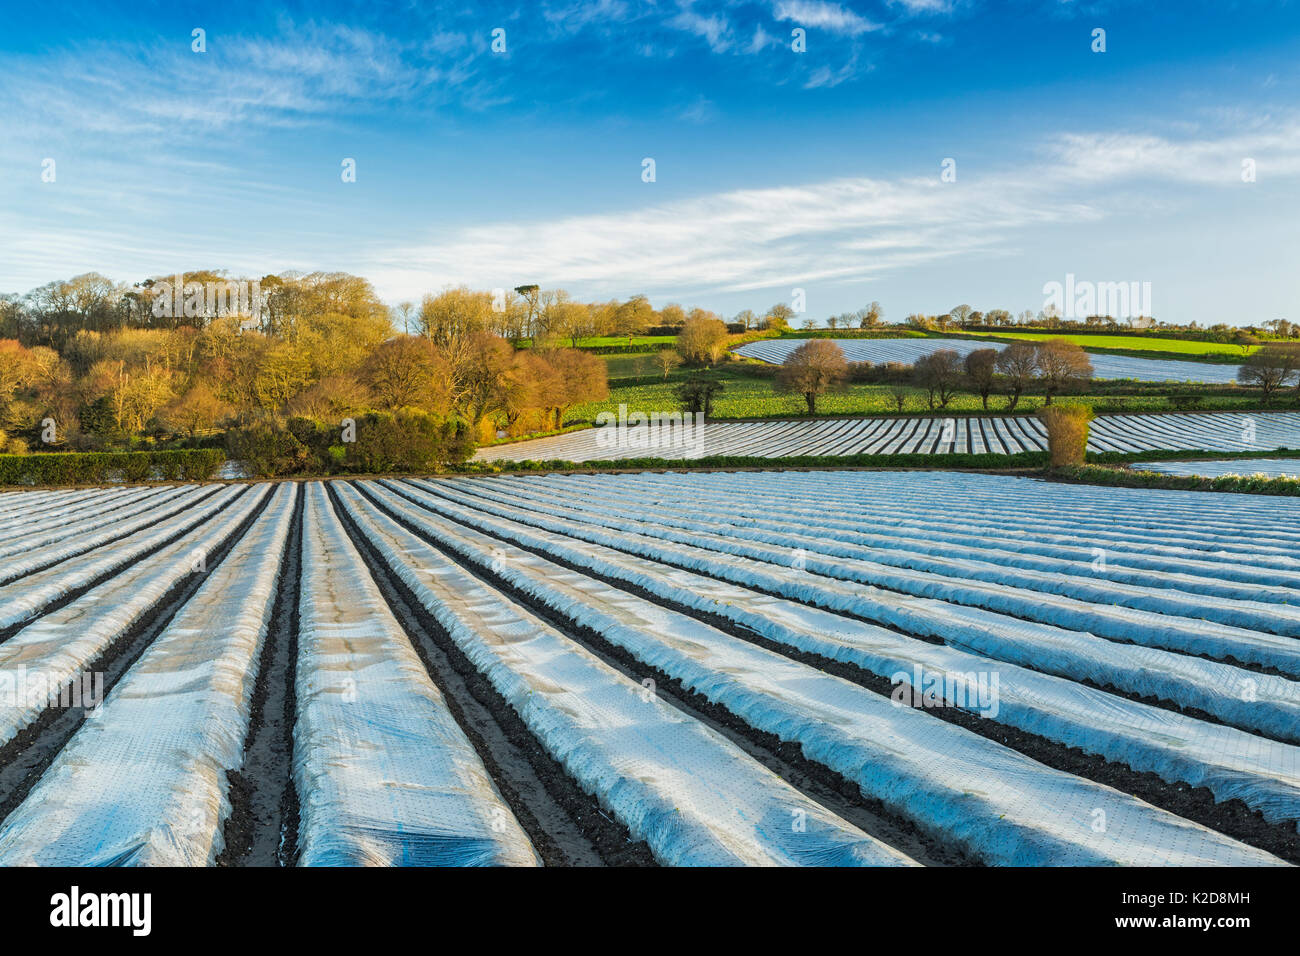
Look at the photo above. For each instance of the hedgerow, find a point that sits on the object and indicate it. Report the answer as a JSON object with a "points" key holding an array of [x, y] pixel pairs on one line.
{"points": [[84, 468]]}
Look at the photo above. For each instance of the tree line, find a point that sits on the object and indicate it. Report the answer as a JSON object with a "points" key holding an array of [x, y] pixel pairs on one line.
{"points": [[87, 365], [1055, 366]]}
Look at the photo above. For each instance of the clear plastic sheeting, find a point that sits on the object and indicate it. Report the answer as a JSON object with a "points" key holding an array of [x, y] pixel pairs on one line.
{"points": [[1267, 467], [18, 502], [1243, 698], [692, 795], [1001, 546], [1000, 435], [385, 776], [61, 645], [144, 781], [81, 561], [908, 350], [1252, 628], [65, 546], [1264, 774], [45, 530], [52, 514], [999, 804], [21, 504]]}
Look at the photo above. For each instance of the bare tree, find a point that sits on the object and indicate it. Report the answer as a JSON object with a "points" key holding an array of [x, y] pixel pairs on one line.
{"points": [[701, 340], [813, 369], [667, 360], [981, 365], [939, 373], [1062, 364], [1271, 368], [1019, 363]]}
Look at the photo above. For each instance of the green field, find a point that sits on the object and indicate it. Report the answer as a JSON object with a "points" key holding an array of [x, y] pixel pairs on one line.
{"points": [[747, 397], [610, 340], [1130, 343]]}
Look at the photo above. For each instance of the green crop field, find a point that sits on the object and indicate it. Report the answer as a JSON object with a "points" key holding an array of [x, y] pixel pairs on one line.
{"points": [[1131, 342], [612, 340], [746, 397]]}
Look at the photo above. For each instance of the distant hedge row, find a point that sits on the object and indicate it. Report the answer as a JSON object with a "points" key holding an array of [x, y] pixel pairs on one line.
{"points": [[86, 468]]}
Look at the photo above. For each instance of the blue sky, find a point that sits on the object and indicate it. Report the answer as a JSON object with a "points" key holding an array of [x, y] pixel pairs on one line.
{"points": [[775, 170]]}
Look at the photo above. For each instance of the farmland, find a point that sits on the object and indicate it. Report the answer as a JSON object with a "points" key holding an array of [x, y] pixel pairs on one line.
{"points": [[747, 397], [1139, 343], [881, 436], [1272, 467], [908, 350], [876, 669]]}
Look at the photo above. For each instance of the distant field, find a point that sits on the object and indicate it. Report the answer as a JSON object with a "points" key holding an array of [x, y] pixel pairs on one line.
{"points": [[1272, 467], [754, 398], [979, 435], [1136, 343], [1142, 367], [599, 340]]}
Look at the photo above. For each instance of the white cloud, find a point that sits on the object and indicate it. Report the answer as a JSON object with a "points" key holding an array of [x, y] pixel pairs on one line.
{"points": [[924, 6], [731, 241], [825, 16], [1111, 157], [849, 228], [714, 29]]}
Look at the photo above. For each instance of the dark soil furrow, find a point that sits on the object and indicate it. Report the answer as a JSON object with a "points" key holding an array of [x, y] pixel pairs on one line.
{"points": [[262, 827]]}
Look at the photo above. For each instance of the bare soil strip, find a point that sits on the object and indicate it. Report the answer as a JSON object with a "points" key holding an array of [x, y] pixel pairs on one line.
{"points": [[262, 828]]}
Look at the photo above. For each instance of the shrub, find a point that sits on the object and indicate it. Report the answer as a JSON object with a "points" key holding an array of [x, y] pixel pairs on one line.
{"points": [[269, 451], [1186, 401], [697, 393], [406, 441], [1067, 432]]}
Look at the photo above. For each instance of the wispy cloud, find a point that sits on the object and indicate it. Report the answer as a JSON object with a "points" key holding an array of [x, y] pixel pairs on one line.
{"points": [[1273, 144], [714, 28], [848, 228], [822, 15]]}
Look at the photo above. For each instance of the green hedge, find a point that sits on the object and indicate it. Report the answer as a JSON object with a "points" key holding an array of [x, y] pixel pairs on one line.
{"points": [[88, 468], [409, 441], [640, 348]]}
